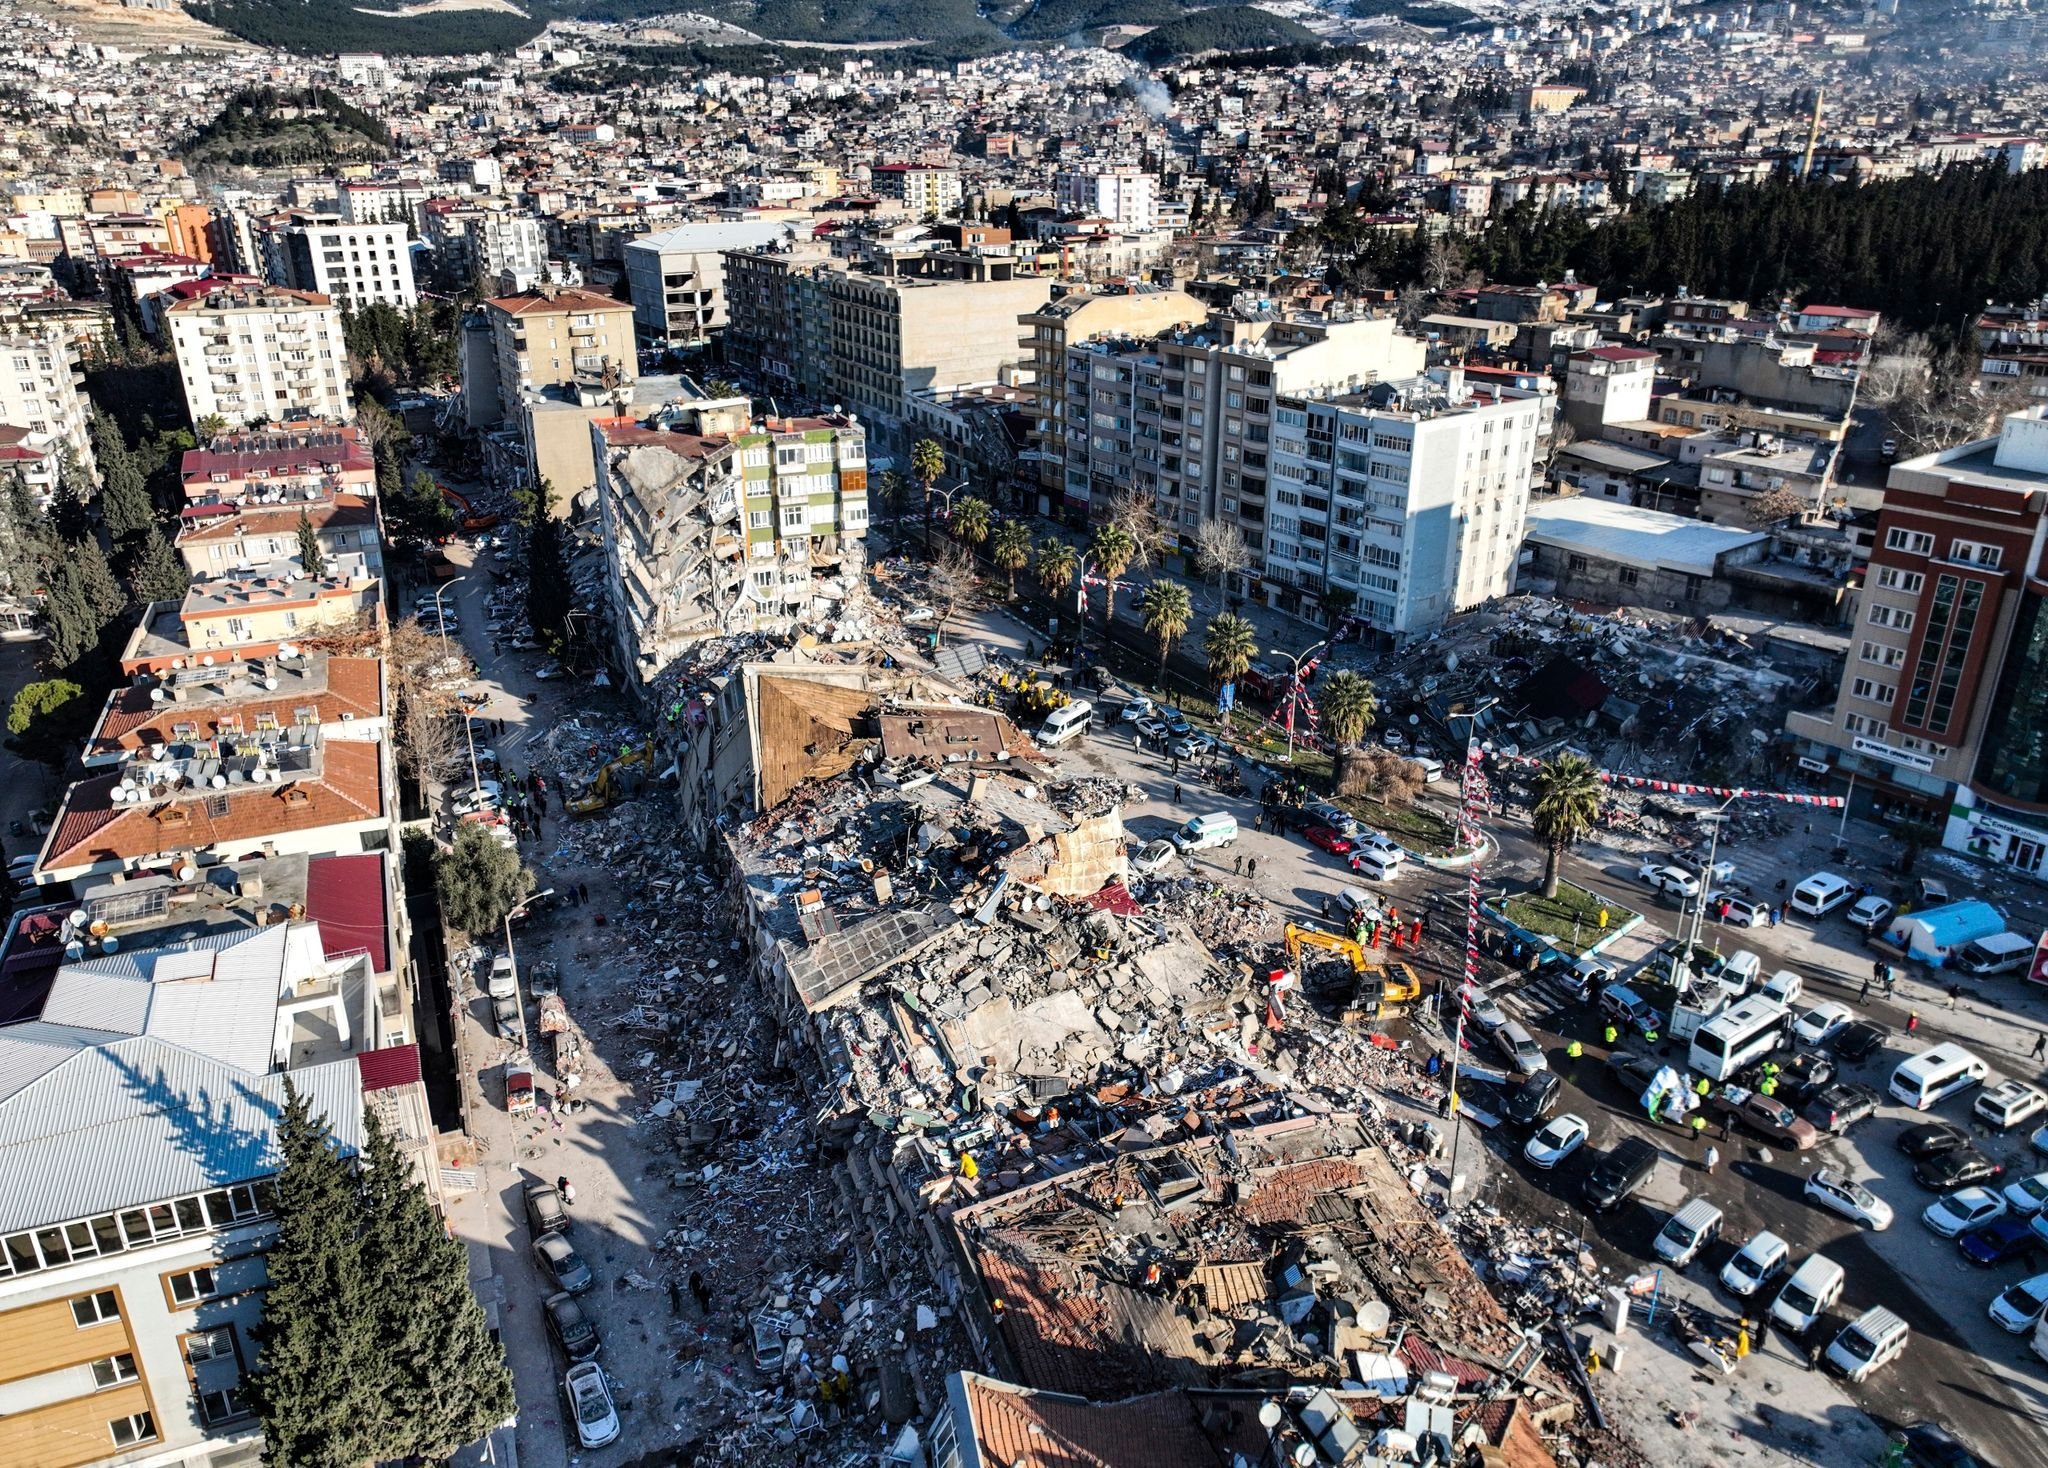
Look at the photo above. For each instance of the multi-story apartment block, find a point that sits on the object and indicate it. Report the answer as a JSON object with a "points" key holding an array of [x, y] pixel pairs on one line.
{"points": [[289, 463], [40, 392], [356, 264], [2012, 344], [1944, 703], [781, 326], [548, 337], [1411, 495], [252, 354], [678, 276], [216, 540], [714, 523], [1606, 385], [508, 252], [924, 193], [1127, 196]]}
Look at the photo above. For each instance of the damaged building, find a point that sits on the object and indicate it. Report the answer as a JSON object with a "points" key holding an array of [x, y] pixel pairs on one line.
{"points": [[715, 522]]}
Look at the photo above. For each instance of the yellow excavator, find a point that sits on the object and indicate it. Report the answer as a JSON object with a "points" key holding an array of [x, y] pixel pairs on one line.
{"points": [[1398, 983], [610, 785]]}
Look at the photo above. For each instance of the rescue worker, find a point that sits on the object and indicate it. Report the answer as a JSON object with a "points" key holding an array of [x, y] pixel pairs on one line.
{"points": [[1611, 1034], [1574, 1050]]}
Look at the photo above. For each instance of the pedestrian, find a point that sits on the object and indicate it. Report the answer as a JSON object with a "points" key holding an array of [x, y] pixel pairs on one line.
{"points": [[1326, 909], [583, 891], [1955, 992], [1251, 867], [2040, 1046], [1237, 870], [1912, 1021], [568, 1191], [702, 1292], [1877, 969], [1610, 1034], [1866, 990], [1713, 1157], [1176, 794]]}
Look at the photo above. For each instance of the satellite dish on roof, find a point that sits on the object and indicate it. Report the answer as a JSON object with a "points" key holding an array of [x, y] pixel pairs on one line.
{"points": [[206, 660], [1270, 1415], [219, 782], [157, 695], [271, 684], [1304, 1454], [185, 871]]}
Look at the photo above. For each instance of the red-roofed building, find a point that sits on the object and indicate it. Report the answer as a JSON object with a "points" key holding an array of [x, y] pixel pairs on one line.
{"points": [[237, 540], [353, 898], [140, 279], [280, 463]]}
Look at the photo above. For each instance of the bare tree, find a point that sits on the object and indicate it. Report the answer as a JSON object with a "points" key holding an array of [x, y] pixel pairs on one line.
{"points": [[1220, 551], [1443, 265], [424, 733], [950, 581], [1132, 512], [1775, 506]]}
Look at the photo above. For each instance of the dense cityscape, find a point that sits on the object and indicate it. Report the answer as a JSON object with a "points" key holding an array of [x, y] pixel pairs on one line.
{"points": [[1024, 736]]}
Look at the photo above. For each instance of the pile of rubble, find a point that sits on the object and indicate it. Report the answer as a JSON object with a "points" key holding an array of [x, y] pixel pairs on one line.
{"points": [[1232, 921], [1537, 1273]]}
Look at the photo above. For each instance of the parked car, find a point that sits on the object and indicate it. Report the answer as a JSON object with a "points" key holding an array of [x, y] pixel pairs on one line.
{"points": [[1821, 1023], [571, 1326], [1930, 1445], [1149, 727], [1298, 818], [2009, 1104], [1963, 1210], [1745, 912], [1560, 1137], [1873, 1339], [1176, 722], [1767, 1116], [1482, 1011], [544, 1211], [2028, 1196], [1632, 1072], [1755, 1264], [1364, 838], [1840, 1194], [1328, 840], [1668, 879], [1931, 1138], [2019, 1307], [1338, 819], [1838, 1107], [1618, 1174], [1153, 857], [506, 1017], [560, 1262], [1135, 709], [1960, 1167], [1191, 746], [1998, 1242], [1858, 1041], [1868, 914], [1534, 1098], [590, 1403]]}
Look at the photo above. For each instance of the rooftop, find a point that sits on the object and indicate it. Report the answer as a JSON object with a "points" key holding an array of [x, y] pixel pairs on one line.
{"points": [[1648, 539], [189, 705]]}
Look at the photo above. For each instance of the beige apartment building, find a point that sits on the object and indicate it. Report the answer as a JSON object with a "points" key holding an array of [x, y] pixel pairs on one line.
{"points": [[549, 338], [251, 354]]}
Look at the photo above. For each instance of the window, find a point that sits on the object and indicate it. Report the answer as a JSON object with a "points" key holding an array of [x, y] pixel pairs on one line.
{"points": [[95, 1309], [1973, 553], [1868, 727], [1871, 689], [220, 1406], [1913, 542], [1877, 652], [1891, 578], [114, 1371], [1899, 619], [191, 1286], [1575, 564], [128, 1431], [1626, 575]]}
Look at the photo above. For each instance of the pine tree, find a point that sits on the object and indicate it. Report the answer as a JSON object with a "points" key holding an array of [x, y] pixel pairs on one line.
{"points": [[311, 557], [316, 1392], [124, 498], [445, 1381], [548, 594], [154, 572]]}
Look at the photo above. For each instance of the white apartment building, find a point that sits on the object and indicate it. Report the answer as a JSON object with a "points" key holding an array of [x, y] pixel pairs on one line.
{"points": [[260, 353], [39, 392], [509, 252], [1413, 495], [356, 264], [678, 275], [1127, 195], [923, 192]]}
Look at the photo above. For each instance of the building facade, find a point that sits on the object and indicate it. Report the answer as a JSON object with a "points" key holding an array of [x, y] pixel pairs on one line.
{"points": [[779, 326], [548, 338], [251, 354], [678, 276], [356, 264], [40, 390], [1127, 196]]}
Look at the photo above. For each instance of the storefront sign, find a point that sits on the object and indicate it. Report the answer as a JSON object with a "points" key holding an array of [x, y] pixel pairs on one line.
{"points": [[1815, 766], [1893, 756], [2006, 828]]}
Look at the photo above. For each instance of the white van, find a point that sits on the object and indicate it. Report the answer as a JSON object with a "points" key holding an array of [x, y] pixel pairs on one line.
{"points": [[1783, 987], [1821, 893], [1376, 865], [1871, 1340], [1934, 1073], [1432, 769], [1066, 723], [2000, 953], [1739, 974], [1203, 832], [1813, 1287], [1688, 1231]]}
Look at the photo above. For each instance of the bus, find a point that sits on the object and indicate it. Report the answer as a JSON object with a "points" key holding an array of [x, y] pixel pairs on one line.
{"points": [[1743, 1032]]}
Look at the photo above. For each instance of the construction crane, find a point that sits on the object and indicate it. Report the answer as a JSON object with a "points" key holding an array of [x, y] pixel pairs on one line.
{"points": [[610, 785], [1398, 983]]}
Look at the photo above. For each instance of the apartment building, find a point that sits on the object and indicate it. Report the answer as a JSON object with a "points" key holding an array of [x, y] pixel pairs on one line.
{"points": [[922, 192], [235, 540], [919, 324], [1412, 495], [715, 522], [508, 252], [1124, 315], [1942, 707], [780, 326], [1604, 385], [678, 275], [551, 337], [1127, 196], [41, 393], [300, 463], [356, 264], [256, 354], [2012, 345]]}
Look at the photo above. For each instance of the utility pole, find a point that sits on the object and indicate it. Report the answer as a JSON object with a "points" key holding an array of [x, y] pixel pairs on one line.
{"points": [[1472, 800]]}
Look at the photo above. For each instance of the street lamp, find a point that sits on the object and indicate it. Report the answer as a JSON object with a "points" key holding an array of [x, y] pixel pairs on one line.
{"points": [[1714, 820], [1294, 661], [438, 615], [1468, 829]]}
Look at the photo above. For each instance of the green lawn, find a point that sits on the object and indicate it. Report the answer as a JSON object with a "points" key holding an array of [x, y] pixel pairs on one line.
{"points": [[1411, 825], [1554, 916]]}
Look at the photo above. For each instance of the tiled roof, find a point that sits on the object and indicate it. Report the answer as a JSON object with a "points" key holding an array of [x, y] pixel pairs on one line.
{"points": [[92, 828], [535, 304], [396, 1065], [306, 453], [342, 512], [1019, 1428], [135, 721]]}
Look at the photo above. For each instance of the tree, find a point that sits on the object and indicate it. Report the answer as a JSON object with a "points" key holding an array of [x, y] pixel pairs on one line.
{"points": [[83, 601], [1348, 707], [1220, 552], [1168, 610], [1567, 807], [1134, 514], [479, 881], [316, 1392], [422, 512], [1010, 549], [424, 736], [1774, 507], [212, 426], [124, 500], [927, 463], [1336, 601], [951, 581], [1057, 562], [550, 596], [445, 1383], [154, 571], [970, 521], [1230, 642], [1112, 550], [28, 548], [893, 490], [312, 559]]}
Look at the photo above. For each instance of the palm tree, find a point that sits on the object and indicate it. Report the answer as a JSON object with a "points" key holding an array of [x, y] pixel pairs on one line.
{"points": [[1348, 707], [1112, 549], [970, 521], [1057, 562], [1168, 610], [927, 462], [894, 492], [1230, 642], [1567, 805], [1010, 549]]}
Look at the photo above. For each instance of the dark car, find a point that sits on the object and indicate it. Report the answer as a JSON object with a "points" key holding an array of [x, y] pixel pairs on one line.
{"points": [[1618, 1173], [1861, 1040], [544, 1211], [1930, 1445], [1300, 817], [1802, 1075], [1840, 1106], [1632, 1072], [1931, 1138], [1960, 1167], [561, 1263], [571, 1326], [1176, 722], [1534, 1098], [1998, 1242]]}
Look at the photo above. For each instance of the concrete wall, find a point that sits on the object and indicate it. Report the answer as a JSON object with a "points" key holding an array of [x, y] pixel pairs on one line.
{"points": [[1607, 582]]}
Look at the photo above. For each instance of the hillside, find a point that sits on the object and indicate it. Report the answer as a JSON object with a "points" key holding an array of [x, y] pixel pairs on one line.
{"points": [[262, 127], [1225, 28], [326, 26]]}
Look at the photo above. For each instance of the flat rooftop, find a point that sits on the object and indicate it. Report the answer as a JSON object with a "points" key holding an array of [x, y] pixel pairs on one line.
{"points": [[1631, 536]]}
